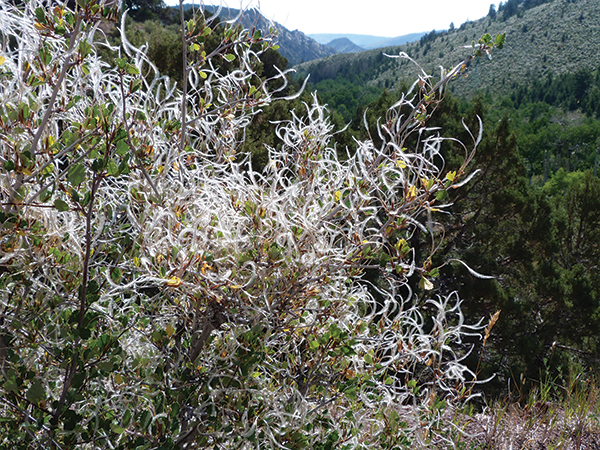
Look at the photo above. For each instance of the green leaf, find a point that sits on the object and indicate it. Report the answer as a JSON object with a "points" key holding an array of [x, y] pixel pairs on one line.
{"points": [[126, 417], [77, 174], [61, 205], [11, 385], [9, 165], [40, 15], [73, 101], [499, 41], [132, 70], [190, 25], [45, 195], [136, 85], [122, 147], [74, 195], [117, 429], [112, 168], [229, 57], [121, 63], [36, 392], [106, 366], [486, 39], [441, 195]]}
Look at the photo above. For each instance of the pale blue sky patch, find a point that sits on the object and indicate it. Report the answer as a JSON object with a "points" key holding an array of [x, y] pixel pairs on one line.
{"points": [[389, 18]]}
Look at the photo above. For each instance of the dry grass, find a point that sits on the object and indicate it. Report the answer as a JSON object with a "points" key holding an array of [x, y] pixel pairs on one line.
{"points": [[570, 420], [570, 423]]}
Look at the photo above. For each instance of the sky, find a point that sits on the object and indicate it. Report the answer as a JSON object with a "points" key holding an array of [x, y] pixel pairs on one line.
{"points": [[389, 18]]}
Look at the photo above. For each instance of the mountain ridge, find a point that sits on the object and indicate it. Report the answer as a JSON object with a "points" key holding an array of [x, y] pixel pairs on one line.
{"points": [[366, 41], [344, 45], [294, 45]]}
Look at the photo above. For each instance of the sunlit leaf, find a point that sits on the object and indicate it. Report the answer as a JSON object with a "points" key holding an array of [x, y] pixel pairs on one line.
{"points": [[426, 284], [412, 192], [174, 282]]}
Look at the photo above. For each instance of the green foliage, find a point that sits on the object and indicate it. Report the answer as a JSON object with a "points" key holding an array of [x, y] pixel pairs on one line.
{"points": [[142, 10], [510, 223], [156, 292]]}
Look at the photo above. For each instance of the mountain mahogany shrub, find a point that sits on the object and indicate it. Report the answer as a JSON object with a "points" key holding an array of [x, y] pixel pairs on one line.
{"points": [[158, 293]]}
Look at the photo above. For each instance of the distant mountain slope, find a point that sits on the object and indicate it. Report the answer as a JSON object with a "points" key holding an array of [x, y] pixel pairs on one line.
{"points": [[535, 47], [294, 45], [399, 40], [366, 41], [344, 45]]}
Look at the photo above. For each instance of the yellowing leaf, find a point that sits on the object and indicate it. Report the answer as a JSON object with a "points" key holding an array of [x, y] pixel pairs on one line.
{"points": [[401, 164], [118, 378], [450, 176], [170, 330], [412, 192], [338, 196], [204, 267], [174, 282], [2, 60], [401, 243]]}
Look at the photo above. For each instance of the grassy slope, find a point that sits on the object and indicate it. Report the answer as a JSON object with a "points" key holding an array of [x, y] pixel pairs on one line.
{"points": [[535, 46]]}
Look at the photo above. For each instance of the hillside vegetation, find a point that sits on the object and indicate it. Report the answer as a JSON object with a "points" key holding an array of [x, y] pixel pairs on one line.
{"points": [[535, 48]]}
